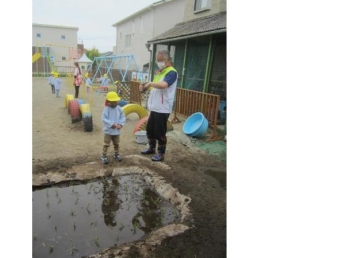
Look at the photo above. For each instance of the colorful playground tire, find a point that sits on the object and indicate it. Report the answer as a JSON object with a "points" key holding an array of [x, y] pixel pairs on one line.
{"points": [[88, 125], [86, 114], [68, 97], [85, 108], [69, 106], [135, 108], [141, 125], [74, 111]]}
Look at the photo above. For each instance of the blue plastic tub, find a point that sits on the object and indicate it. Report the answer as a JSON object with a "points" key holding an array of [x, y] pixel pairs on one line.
{"points": [[122, 103], [196, 125]]}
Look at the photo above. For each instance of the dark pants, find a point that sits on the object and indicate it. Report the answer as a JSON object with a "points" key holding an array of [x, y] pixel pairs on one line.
{"points": [[53, 88], [76, 91], [156, 129]]}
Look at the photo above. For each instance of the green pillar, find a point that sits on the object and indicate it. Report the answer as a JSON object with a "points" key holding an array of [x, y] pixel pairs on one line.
{"points": [[208, 65]]}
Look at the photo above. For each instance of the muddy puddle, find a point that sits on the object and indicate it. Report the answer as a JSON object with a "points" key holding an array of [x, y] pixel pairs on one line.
{"points": [[82, 218]]}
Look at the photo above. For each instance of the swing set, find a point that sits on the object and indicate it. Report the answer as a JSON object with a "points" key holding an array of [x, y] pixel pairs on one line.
{"points": [[106, 65]]}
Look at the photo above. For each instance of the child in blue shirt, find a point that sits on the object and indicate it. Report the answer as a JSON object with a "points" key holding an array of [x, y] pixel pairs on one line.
{"points": [[113, 119], [57, 85], [105, 82], [88, 83], [51, 81]]}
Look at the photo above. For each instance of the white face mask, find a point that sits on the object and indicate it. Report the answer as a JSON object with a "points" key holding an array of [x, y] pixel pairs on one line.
{"points": [[161, 65]]}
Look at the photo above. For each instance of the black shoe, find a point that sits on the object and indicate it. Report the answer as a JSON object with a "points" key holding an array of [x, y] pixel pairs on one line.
{"points": [[118, 157], [157, 157], [149, 151], [104, 159]]}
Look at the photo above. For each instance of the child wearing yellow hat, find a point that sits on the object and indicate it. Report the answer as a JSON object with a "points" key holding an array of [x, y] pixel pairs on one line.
{"points": [[57, 84], [51, 81], [105, 82], [113, 119]]}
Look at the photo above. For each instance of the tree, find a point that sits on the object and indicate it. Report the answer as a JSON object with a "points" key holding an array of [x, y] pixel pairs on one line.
{"points": [[92, 54]]}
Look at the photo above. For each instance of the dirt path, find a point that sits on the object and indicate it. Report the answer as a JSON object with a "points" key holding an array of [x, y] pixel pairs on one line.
{"points": [[59, 145]]}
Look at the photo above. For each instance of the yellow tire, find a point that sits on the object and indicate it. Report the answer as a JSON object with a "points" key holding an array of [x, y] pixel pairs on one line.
{"points": [[135, 108], [85, 108], [68, 97]]}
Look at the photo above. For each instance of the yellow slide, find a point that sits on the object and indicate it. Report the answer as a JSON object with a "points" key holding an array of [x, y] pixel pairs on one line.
{"points": [[35, 57], [135, 108]]}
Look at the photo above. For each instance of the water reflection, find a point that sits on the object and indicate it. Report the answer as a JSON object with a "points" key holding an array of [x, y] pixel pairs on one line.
{"points": [[149, 212], [111, 202]]}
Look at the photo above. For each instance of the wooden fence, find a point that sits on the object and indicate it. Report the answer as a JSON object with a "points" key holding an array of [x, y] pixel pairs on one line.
{"points": [[187, 102], [135, 95]]}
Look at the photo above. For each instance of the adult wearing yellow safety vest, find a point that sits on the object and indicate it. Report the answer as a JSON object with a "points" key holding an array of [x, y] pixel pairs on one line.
{"points": [[160, 103]]}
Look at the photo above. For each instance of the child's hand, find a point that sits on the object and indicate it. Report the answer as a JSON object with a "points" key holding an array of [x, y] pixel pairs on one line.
{"points": [[119, 126], [114, 126]]}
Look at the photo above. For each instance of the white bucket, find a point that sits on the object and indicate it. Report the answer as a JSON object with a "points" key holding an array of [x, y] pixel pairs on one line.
{"points": [[140, 137]]}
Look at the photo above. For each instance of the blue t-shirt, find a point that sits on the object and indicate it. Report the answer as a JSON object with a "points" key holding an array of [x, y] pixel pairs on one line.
{"points": [[170, 77]]}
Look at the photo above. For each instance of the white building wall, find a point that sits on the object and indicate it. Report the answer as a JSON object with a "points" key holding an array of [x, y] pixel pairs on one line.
{"points": [[216, 7], [144, 26], [51, 36]]}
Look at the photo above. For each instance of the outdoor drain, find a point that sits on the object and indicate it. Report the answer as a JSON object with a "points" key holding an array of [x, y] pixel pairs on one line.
{"points": [[81, 219]]}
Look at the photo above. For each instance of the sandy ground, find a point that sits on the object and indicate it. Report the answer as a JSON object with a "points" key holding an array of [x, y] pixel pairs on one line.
{"points": [[58, 144]]}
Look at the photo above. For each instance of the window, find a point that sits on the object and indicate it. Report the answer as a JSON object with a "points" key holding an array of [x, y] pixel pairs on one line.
{"points": [[63, 58], [142, 25], [202, 5], [121, 34], [38, 35], [63, 37], [128, 40], [133, 27]]}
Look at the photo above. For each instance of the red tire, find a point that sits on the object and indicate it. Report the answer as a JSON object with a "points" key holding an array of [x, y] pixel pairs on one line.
{"points": [[141, 124], [74, 110]]}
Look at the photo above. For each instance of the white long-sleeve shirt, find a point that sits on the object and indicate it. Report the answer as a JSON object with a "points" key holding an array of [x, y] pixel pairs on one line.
{"points": [[105, 82], [51, 80], [88, 82], [112, 116], [57, 83]]}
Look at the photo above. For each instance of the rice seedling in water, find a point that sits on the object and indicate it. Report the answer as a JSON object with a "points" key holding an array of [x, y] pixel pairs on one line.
{"points": [[121, 226], [94, 224], [87, 208], [72, 250], [51, 248], [96, 241]]}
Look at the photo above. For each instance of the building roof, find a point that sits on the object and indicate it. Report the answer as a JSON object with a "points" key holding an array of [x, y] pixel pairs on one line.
{"points": [[108, 53], [55, 26], [84, 59], [215, 23]]}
